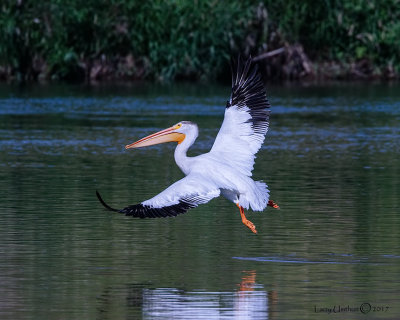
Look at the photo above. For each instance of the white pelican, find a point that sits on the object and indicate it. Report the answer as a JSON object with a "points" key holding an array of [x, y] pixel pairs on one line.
{"points": [[226, 169]]}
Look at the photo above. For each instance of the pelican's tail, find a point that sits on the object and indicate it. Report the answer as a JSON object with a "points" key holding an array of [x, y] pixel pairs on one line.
{"points": [[262, 196]]}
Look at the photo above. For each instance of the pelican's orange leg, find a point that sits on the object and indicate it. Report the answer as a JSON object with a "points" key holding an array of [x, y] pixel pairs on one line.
{"points": [[273, 204], [246, 222]]}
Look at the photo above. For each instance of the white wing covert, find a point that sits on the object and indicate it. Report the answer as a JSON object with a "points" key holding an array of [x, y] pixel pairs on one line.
{"points": [[178, 198], [246, 119]]}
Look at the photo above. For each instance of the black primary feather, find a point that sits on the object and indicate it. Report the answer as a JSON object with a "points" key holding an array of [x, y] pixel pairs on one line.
{"points": [[143, 211], [105, 204], [248, 90]]}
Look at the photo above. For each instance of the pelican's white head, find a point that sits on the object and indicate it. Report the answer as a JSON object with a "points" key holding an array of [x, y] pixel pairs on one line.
{"points": [[178, 133]]}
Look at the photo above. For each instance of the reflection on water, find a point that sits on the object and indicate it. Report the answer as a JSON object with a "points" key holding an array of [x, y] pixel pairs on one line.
{"points": [[248, 301], [331, 160]]}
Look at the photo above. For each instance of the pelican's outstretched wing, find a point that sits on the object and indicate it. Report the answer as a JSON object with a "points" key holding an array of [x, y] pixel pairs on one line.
{"points": [[246, 118], [178, 198]]}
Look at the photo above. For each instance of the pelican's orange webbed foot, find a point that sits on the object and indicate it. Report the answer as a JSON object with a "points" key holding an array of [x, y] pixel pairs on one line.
{"points": [[273, 204], [246, 222]]}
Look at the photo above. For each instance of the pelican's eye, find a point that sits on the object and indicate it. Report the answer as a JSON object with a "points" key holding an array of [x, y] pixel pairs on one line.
{"points": [[178, 125]]}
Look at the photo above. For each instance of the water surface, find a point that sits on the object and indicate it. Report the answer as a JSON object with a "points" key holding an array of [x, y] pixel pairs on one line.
{"points": [[331, 160]]}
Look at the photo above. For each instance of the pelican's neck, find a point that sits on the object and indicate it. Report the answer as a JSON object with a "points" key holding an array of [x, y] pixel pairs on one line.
{"points": [[181, 159]]}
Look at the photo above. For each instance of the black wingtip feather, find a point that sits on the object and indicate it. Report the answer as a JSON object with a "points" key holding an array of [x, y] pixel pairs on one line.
{"points": [[248, 90], [105, 204], [143, 211]]}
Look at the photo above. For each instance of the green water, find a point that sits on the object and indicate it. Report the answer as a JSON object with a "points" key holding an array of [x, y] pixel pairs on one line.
{"points": [[331, 160]]}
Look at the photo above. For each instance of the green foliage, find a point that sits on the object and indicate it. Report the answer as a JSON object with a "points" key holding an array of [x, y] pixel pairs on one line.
{"points": [[342, 30], [185, 38], [21, 35], [188, 39], [173, 38]]}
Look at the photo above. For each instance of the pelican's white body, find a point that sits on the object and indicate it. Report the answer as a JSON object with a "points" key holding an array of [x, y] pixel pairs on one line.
{"points": [[225, 170]]}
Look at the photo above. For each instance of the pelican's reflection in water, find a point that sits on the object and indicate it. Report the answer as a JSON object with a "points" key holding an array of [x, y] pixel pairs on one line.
{"points": [[249, 301]]}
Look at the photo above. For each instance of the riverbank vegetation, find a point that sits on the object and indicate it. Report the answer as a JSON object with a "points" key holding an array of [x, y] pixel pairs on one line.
{"points": [[193, 40]]}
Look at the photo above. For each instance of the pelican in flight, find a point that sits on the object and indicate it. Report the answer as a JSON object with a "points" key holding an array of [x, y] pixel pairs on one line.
{"points": [[227, 168]]}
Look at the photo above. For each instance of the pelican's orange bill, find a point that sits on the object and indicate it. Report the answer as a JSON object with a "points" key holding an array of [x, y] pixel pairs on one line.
{"points": [[166, 135]]}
